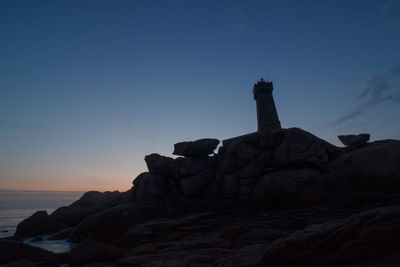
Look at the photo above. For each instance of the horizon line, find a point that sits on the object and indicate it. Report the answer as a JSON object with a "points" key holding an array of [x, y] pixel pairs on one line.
{"points": [[33, 190]]}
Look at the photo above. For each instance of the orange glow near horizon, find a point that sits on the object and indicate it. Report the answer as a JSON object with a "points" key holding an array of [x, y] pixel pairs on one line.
{"points": [[102, 187], [117, 182]]}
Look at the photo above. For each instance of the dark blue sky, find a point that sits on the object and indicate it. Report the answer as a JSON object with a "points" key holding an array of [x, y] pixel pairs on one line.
{"points": [[87, 88]]}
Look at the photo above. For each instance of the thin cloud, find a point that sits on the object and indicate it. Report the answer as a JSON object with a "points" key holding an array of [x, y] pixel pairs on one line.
{"points": [[379, 90]]}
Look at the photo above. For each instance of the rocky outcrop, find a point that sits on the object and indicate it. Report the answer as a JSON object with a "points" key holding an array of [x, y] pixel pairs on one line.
{"points": [[158, 164], [242, 167], [300, 148], [170, 178], [305, 186], [196, 185], [13, 253], [150, 185], [279, 198], [63, 234], [64, 218], [354, 141], [110, 224], [374, 231], [373, 167], [19, 263], [90, 203], [198, 148], [39, 223], [93, 251], [288, 166]]}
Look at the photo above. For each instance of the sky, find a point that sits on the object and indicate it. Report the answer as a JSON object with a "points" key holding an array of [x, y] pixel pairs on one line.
{"points": [[88, 88], [43, 200]]}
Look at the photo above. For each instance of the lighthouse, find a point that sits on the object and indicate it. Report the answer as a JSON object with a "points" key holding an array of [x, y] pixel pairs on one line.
{"points": [[267, 116]]}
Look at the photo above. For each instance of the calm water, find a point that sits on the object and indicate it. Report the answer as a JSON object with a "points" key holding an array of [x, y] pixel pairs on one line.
{"points": [[9, 218], [18, 205]]}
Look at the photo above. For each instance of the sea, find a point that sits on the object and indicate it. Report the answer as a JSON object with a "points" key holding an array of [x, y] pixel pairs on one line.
{"points": [[15, 206]]}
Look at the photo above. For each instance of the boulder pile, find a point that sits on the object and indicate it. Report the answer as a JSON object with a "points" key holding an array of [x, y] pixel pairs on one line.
{"points": [[282, 198], [288, 166]]}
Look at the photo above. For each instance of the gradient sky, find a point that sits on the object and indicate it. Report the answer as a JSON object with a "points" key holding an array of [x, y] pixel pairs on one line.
{"points": [[88, 88]]}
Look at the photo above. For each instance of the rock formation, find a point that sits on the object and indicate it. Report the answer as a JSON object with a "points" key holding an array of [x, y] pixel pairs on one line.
{"points": [[280, 165], [276, 198], [353, 141]]}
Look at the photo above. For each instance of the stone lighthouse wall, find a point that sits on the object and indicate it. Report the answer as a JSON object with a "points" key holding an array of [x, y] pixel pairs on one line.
{"points": [[267, 116]]}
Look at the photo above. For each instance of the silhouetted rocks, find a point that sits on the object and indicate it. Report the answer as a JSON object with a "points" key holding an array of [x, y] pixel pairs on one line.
{"points": [[149, 186], [110, 224], [343, 240], [63, 234], [195, 186], [354, 141], [241, 168], [37, 239], [15, 252], [305, 186], [373, 167], [158, 164], [70, 216], [300, 148], [90, 203], [19, 263], [189, 167], [39, 223], [93, 251], [198, 148], [278, 198]]}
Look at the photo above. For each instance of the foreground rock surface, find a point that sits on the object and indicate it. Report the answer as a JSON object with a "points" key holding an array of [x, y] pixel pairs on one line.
{"points": [[16, 253], [282, 198], [355, 228], [90, 251], [363, 236]]}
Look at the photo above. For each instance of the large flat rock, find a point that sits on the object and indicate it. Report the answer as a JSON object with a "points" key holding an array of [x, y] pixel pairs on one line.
{"points": [[198, 148]]}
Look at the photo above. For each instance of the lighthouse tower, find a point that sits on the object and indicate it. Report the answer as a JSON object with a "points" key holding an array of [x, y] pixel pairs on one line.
{"points": [[267, 117]]}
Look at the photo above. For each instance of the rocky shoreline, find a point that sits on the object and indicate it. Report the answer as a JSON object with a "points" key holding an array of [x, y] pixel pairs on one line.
{"points": [[282, 198]]}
